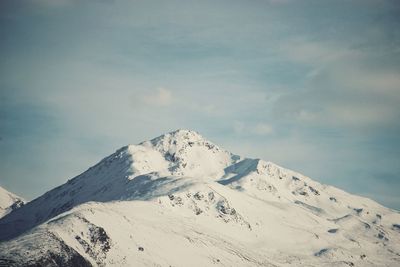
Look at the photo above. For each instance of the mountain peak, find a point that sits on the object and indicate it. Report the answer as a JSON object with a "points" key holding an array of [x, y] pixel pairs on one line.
{"points": [[184, 132], [132, 172], [187, 188], [187, 153], [179, 135]]}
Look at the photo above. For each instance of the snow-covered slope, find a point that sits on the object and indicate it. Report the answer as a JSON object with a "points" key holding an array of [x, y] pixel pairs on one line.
{"points": [[179, 200], [9, 202]]}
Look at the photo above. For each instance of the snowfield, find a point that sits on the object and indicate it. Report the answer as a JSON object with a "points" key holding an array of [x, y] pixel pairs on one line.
{"points": [[180, 200]]}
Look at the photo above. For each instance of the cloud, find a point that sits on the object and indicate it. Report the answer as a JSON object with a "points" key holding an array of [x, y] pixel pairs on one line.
{"points": [[238, 127], [263, 129], [340, 87], [162, 97], [305, 51]]}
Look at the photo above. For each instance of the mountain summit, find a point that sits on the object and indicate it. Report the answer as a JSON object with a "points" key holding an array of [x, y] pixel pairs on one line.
{"points": [[181, 200]]}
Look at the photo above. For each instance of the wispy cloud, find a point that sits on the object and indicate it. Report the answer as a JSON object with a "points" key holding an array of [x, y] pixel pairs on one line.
{"points": [[263, 129], [260, 128], [161, 97], [340, 88]]}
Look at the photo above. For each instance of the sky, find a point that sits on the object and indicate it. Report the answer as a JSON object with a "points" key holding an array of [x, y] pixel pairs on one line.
{"points": [[313, 86]]}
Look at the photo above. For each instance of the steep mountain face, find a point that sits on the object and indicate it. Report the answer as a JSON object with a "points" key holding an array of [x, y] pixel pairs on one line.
{"points": [[9, 202], [180, 200]]}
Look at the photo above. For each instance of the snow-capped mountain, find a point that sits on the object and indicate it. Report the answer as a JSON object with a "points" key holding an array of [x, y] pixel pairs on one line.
{"points": [[9, 202], [180, 200]]}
